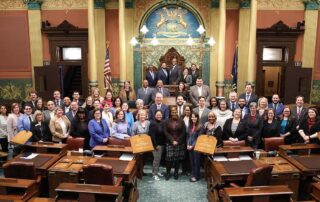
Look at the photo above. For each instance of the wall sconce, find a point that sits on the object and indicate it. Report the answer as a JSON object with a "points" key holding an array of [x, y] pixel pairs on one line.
{"points": [[190, 41], [144, 30], [154, 41], [211, 41], [134, 41], [201, 29]]}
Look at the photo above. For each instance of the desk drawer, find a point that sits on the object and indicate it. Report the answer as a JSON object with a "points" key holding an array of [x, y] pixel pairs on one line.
{"points": [[55, 178]]}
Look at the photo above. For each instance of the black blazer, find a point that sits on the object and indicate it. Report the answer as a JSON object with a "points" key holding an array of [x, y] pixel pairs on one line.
{"points": [[241, 132], [271, 129], [217, 133], [253, 98], [292, 128], [156, 133], [254, 129], [152, 81], [40, 132], [163, 77], [195, 76], [309, 131]]}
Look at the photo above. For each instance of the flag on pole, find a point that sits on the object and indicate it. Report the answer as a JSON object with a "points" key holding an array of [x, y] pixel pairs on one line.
{"points": [[234, 73], [107, 71]]}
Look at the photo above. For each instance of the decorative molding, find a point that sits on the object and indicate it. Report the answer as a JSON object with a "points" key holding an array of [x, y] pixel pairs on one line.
{"points": [[220, 83], [64, 4], [214, 3], [280, 5], [12, 5], [244, 3], [311, 4], [99, 4]]}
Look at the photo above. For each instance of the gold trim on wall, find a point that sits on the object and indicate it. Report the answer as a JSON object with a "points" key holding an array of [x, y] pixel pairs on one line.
{"points": [[280, 5], [64, 4], [12, 5]]}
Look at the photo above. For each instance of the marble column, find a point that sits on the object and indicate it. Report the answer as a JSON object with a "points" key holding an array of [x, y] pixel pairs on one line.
{"points": [[252, 43], [35, 36], [122, 41], [93, 81], [310, 34], [221, 48]]}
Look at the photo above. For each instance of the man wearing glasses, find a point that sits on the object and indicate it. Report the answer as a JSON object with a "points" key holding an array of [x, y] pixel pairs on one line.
{"points": [[24, 121]]}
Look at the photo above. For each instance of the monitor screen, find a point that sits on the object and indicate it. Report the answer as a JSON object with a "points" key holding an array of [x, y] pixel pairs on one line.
{"points": [[71, 53]]}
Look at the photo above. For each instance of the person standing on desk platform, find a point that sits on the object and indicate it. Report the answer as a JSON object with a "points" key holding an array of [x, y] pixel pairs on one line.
{"points": [[174, 73]]}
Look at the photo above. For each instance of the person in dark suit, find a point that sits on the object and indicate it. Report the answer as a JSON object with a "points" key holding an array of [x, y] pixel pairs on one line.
{"points": [[299, 112], [276, 105], [271, 126], [145, 93], [249, 96], [182, 91], [163, 74], [79, 127], [242, 106], [235, 129], [212, 128], [288, 126], [49, 113], [160, 89], [232, 102], [33, 96], [152, 76], [186, 77], [72, 113], [309, 127], [57, 99], [66, 105], [40, 129], [76, 98], [174, 73], [255, 125], [194, 74], [158, 105], [202, 110]]}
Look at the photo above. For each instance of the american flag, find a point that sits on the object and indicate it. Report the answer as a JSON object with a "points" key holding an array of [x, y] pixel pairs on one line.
{"points": [[107, 72]]}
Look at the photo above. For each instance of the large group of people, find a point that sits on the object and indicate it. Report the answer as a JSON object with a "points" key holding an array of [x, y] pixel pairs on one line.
{"points": [[173, 129]]}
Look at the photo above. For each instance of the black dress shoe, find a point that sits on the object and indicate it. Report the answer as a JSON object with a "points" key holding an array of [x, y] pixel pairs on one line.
{"points": [[168, 176], [176, 176]]}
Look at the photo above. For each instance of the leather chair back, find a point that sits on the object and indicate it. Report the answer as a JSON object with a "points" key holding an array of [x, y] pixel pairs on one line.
{"points": [[241, 143], [98, 174], [20, 170], [75, 143], [272, 143], [115, 141], [260, 176]]}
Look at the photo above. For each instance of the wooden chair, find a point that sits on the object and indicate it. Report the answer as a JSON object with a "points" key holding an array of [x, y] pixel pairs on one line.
{"points": [[273, 143], [100, 174], [227, 143], [75, 143], [116, 141]]}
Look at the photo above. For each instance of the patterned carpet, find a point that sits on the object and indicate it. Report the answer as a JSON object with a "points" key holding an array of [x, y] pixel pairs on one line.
{"points": [[172, 190]]}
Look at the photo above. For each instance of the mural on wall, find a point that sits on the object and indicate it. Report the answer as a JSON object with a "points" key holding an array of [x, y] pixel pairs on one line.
{"points": [[172, 22], [14, 89]]}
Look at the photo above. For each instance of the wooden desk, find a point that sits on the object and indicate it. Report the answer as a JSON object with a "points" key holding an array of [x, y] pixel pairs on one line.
{"points": [[316, 191], [111, 150], [42, 162], [299, 149], [12, 189], [234, 150], [303, 166], [38, 199], [278, 193], [69, 169], [283, 173], [88, 192], [45, 147]]}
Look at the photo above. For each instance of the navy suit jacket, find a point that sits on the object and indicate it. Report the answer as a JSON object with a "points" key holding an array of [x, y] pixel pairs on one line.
{"points": [[152, 81], [279, 109], [70, 116], [163, 77], [164, 109], [174, 75]]}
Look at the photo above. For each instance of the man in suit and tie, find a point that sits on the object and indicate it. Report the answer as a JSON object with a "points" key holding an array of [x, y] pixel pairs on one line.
{"points": [[76, 98], [57, 99], [194, 74], [158, 105], [66, 105], [199, 90], [33, 96], [180, 105], [74, 109], [299, 111], [276, 105], [249, 96], [163, 74], [152, 76], [202, 110], [233, 104], [174, 73], [243, 107], [25, 120], [164, 91], [145, 93], [49, 113]]}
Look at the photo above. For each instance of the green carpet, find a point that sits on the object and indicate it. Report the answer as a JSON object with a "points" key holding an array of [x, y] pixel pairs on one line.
{"points": [[171, 190]]}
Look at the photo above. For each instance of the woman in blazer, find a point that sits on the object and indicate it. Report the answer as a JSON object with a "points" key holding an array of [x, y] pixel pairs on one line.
{"points": [[288, 126], [212, 128], [235, 129], [271, 126], [255, 125], [186, 77], [40, 129], [60, 126], [98, 129], [310, 127], [127, 93]]}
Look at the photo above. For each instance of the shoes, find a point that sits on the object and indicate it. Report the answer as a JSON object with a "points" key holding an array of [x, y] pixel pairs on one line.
{"points": [[193, 179], [156, 178], [168, 176], [160, 174], [175, 176]]}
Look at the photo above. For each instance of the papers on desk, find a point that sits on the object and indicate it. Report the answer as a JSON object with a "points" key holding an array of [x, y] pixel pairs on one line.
{"points": [[126, 157], [241, 157], [31, 156]]}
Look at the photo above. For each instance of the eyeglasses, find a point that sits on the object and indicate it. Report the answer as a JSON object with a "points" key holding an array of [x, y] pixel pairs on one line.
{"points": [[27, 108]]}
